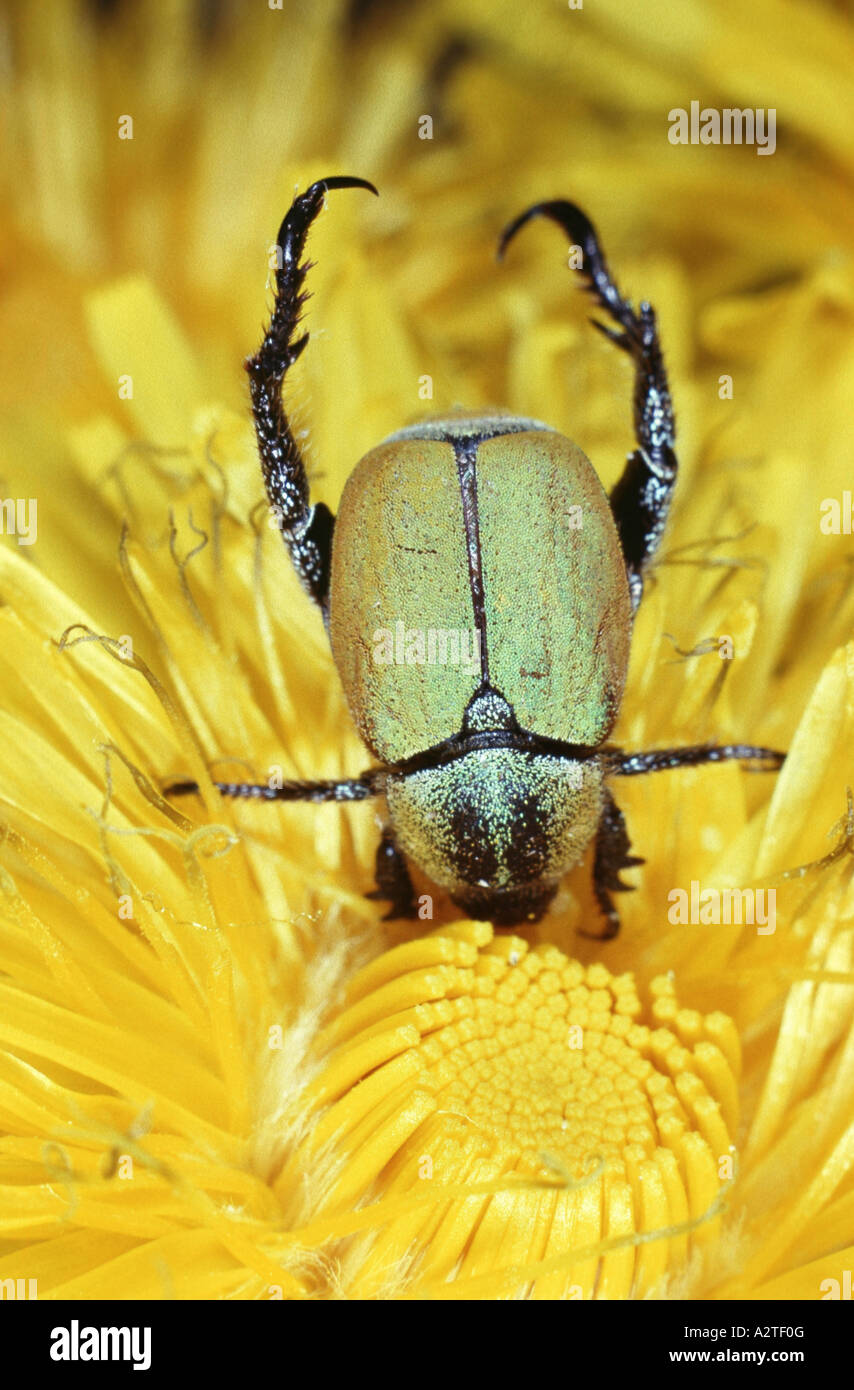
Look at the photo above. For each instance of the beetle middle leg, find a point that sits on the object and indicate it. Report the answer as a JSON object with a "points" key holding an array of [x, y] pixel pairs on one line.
{"points": [[391, 873], [348, 789], [640, 501], [306, 529], [623, 764]]}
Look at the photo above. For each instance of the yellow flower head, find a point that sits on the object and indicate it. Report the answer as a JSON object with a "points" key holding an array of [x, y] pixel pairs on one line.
{"points": [[513, 1106], [221, 1076]]}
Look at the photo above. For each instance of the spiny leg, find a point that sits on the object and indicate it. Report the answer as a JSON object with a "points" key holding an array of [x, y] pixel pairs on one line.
{"points": [[640, 501], [392, 878], [350, 789], [610, 856], [306, 529]]}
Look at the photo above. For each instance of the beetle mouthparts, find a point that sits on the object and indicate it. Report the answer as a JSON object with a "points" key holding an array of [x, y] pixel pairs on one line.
{"points": [[507, 907]]}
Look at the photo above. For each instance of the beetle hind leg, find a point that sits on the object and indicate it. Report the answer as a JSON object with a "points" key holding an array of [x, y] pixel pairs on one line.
{"points": [[393, 881], [640, 501], [306, 529], [611, 855]]}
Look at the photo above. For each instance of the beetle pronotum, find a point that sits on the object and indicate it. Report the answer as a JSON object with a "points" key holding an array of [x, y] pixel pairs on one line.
{"points": [[496, 779]]}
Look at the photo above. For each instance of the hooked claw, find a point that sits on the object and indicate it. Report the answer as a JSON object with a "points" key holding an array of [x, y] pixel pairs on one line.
{"points": [[305, 208], [574, 222]]}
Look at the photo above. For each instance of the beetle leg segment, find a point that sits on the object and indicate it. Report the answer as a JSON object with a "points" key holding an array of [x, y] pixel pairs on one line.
{"points": [[661, 759], [307, 530], [392, 878], [611, 855], [640, 501], [351, 789]]}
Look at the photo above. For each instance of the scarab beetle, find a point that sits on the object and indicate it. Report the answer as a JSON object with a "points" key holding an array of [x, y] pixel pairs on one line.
{"points": [[495, 771]]}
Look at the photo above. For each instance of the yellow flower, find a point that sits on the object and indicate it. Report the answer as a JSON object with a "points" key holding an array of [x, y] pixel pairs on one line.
{"points": [[489, 1071], [220, 1075]]}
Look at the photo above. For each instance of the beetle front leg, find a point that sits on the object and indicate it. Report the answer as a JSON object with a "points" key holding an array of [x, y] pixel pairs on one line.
{"points": [[611, 855], [394, 884], [640, 501], [306, 529]]}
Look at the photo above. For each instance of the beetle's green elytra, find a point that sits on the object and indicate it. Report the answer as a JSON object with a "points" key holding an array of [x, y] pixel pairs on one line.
{"points": [[479, 587], [556, 616]]}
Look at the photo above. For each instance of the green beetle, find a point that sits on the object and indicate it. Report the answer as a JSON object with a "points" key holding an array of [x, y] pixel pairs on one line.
{"points": [[478, 587]]}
